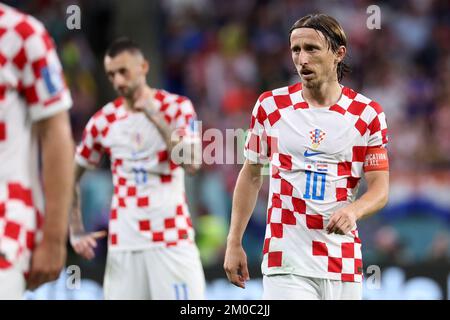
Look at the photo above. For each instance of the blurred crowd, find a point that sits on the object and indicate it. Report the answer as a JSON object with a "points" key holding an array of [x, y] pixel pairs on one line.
{"points": [[224, 54]]}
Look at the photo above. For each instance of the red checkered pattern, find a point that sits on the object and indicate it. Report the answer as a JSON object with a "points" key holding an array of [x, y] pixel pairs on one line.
{"points": [[366, 115], [316, 157], [90, 151], [287, 209], [20, 224], [173, 230], [31, 88], [31, 66], [148, 207], [344, 264]]}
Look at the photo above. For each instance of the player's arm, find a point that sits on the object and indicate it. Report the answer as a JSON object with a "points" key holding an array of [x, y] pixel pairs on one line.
{"points": [[376, 171], [83, 243], [189, 161], [373, 200], [376, 196], [57, 159], [244, 200], [76, 219], [177, 145], [88, 155]]}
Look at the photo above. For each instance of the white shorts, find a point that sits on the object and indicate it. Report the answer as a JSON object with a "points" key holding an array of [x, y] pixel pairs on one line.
{"points": [[295, 287], [173, 273], [12, 284]]}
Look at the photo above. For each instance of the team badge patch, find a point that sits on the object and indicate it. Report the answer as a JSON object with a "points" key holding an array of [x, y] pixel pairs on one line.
{"points": [[316, 136], [53, 79]]}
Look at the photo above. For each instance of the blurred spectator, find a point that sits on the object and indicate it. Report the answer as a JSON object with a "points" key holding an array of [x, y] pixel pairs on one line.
{"points": [[389, 248], [440, 249]]}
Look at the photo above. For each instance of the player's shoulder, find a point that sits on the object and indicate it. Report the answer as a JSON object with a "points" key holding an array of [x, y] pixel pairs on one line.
{"points": [[166, 97], [358, 102], [23, 24], [280, 95], [173, 105], [109, 112]]}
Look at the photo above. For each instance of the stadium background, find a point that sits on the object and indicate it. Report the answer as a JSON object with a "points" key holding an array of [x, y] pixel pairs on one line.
{"points": [[222, 55]]}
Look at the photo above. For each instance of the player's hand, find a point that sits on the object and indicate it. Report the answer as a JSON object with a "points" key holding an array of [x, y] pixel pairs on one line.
{"points": [[342, 221], [144, 101], [85, 243], [47, 261], [235, 265]]}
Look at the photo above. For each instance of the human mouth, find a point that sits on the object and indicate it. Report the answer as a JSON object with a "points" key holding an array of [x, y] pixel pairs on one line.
{"points": [[306, 74], [122, 90]]}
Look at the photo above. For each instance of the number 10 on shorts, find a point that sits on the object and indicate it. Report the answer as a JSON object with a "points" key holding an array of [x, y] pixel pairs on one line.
{"points": [[317, 186]]}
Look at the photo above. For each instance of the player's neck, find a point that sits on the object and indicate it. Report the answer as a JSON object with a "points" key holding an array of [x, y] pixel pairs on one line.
{"points": [[324, 95], [130, 101]]}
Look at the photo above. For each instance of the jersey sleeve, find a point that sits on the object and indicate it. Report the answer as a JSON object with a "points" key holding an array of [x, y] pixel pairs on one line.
{"points": [[90, 150], [378, 128], [376, 158], [255, 150], [186, 125], [42, 78]]}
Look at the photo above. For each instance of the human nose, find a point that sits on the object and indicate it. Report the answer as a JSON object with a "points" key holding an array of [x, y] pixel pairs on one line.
{"points": [[118, 79], [303, 58]]}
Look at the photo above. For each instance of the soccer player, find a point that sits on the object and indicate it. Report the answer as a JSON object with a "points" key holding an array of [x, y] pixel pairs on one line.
{"points": [[320, 138], [151, 248], [33, 112]]}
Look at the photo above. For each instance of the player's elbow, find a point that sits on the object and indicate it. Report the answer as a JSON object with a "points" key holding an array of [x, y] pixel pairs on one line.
{"points": [[384, 199], [253, 174]]}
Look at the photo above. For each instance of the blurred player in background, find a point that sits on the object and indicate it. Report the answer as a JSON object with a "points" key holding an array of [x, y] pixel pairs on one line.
{"points": [[320, 138], [33, 110], [151, 248]]}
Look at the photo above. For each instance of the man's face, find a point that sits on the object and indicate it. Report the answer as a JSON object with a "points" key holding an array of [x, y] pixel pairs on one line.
{"points": [[314, 61], [126, 71]]}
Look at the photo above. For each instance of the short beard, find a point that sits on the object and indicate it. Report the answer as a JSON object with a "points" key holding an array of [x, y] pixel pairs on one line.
{"points": [[129, 93], [310, 84]]}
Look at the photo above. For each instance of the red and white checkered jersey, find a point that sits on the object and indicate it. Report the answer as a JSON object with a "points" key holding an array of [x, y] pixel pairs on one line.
{"points": [[316, 160], [31, 88], [149, 205]]}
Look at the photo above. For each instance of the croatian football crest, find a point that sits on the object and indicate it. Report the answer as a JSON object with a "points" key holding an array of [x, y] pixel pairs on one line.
{"points": [[138, 144], [316, 136]]}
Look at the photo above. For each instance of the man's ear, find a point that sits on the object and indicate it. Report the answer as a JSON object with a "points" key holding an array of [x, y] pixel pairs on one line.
{"points": [[145, 66], [340, 54]]}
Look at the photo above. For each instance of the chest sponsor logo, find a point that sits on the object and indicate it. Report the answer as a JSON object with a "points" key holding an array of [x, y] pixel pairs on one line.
{"points": [[310, 154]]}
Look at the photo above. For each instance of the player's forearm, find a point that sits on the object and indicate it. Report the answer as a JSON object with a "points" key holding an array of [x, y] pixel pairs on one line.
{"points": [[375, 198], [163, 128], [76, 219], [190, 162], [57, 162], [244, 200]]}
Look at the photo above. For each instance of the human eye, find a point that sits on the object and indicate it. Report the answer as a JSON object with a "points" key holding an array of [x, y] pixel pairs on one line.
{"points": [[295, 49], [123, 71]]}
